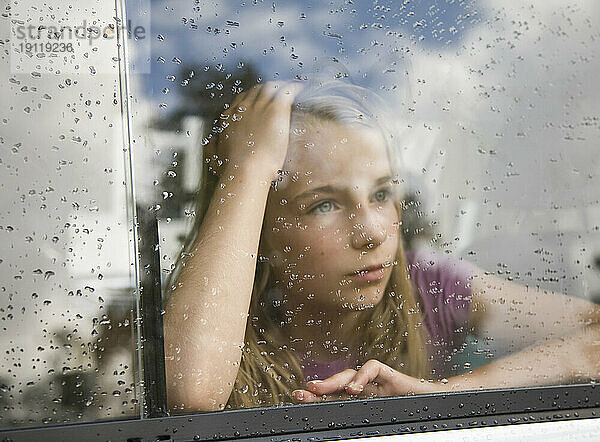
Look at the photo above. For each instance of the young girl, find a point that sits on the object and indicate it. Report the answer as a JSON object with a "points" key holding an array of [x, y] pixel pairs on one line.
{"points": [[295, 286]]}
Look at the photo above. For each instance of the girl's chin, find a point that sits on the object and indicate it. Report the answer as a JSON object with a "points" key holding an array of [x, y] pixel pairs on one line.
{"points": [[345, 300], [362, 302], [358, 306]]}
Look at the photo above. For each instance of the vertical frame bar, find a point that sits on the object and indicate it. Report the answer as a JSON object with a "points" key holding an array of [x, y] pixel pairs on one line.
{"points": [[153, 354]]}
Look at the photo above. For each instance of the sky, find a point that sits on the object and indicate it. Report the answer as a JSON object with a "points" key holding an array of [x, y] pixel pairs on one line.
{"points": [[286, 39]]}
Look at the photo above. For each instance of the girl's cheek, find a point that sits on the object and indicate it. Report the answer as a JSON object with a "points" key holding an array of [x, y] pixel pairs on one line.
{"points": [[394, 226], [310, 240], [391, 219]]}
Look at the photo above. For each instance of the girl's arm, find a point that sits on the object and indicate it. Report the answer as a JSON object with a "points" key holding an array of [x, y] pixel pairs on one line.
{"points": [[206, 314], [554, 338]]}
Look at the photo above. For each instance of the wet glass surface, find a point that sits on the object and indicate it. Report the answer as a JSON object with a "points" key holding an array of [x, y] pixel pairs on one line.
{"points": [[445, 229], [67, 297], [394, 198]]}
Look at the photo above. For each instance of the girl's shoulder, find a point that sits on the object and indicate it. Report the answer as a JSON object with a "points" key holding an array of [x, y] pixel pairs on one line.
{"points": [[443, 289], [436, 273]]}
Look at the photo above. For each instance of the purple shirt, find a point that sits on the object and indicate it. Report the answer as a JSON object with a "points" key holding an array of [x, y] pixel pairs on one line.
{"points": [[443, 289]]}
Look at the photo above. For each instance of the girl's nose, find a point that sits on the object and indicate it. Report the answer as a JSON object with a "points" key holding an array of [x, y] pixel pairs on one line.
{"points": [[367, 230]]}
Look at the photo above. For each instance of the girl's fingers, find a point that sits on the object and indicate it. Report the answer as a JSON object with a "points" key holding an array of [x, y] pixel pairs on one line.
{"points": [[334, 383], [270, 90], [279, 92], [241, 103], [372, 370], [246, 96], [287, 91], [265, 94], [374, 379], [305, 397]]}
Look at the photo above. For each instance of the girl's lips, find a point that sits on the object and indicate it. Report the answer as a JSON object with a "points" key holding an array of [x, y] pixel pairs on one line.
{"points": [[370, 274]]}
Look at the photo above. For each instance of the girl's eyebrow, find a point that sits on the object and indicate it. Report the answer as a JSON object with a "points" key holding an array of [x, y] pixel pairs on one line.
{"points": [[333, 189]]}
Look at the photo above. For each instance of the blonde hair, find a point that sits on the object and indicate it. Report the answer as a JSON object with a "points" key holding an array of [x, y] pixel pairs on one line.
{"points": [[393, 330]]}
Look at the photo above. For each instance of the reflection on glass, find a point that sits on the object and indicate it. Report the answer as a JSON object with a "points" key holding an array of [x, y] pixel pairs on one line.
{"points": [[393, 199], [67, 296]]}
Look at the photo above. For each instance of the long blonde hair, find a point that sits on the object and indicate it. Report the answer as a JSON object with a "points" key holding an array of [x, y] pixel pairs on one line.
{"points": [[393, 331]]}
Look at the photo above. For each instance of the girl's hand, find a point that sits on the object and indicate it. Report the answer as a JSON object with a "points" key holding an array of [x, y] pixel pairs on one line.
{"points": [[374, 379], [255, 130]]}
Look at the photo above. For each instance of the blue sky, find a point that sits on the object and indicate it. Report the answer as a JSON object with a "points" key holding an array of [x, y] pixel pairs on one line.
{"points": [[370, 40]]}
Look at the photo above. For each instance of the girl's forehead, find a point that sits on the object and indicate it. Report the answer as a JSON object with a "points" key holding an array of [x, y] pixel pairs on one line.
{"points": [[329, 146], [331, 152]]}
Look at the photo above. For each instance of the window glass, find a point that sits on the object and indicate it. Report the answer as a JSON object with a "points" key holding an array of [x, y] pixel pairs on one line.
{"points": [[387, 198], [67, 297], [400, 194]]}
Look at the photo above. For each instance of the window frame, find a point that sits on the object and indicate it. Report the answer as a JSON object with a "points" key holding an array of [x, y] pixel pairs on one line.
{"points": [[327, 420], [344, 419]]}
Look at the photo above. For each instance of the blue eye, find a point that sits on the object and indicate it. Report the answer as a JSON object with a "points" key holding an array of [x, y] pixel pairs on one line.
{"points": [[324, 207], [381, 195]]}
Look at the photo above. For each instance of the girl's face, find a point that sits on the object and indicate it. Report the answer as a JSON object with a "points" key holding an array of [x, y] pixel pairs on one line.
{"points": [[332, 216]]}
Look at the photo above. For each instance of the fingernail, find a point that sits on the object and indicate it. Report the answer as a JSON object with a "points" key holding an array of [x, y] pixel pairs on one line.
{"points": [[354, 386], [298, 394]]}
